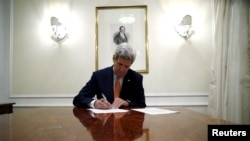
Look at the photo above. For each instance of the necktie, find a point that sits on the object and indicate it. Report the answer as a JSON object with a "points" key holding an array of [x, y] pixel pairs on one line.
{"points": [[117, 88]]}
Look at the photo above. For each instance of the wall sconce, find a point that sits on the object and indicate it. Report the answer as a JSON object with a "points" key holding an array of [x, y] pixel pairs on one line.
{"points": [[59, 30], [184, 27]]}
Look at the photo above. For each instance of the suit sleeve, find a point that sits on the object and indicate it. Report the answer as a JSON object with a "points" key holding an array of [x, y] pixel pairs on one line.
{"points": [[133, 91], [138, 99], [86, 94]]}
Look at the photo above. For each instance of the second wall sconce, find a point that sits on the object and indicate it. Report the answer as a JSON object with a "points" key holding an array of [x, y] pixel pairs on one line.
{"points": [[59, 30], [184, 27]]}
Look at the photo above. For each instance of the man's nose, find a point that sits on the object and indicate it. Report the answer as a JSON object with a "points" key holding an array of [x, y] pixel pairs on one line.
{"points": [[122, 68]]}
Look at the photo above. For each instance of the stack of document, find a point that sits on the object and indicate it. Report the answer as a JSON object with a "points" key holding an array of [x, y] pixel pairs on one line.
{"points": [[102, 111], [151, 111], [155, 111]]}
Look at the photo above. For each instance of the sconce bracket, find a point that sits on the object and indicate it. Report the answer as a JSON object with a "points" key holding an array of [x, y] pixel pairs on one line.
{"points": [[184, 27], [59, 31]]}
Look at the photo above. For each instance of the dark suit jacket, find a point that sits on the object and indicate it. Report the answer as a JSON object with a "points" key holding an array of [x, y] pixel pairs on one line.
{"points": [[101, 82]]}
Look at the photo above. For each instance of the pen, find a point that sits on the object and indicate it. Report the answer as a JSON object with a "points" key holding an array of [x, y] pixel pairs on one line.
{"points": [[104, 96], [105, 100]]}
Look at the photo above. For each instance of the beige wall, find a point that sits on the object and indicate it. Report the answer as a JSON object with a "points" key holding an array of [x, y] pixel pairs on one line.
{"points": [[42, 67], [4, 50]]}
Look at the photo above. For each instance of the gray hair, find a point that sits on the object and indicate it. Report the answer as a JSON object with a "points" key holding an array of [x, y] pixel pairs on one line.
{"points": [[124, 51]]}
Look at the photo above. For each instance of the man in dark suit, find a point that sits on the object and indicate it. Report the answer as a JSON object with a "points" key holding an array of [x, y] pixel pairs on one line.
{"points": [[102, 84]]}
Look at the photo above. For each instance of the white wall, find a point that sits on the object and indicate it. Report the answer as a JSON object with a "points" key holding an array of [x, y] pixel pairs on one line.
{"points": [[45, 73], [4, 51]]}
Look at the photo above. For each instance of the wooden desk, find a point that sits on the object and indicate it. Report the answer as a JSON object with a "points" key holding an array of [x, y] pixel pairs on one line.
{"points": [[76, 124]]}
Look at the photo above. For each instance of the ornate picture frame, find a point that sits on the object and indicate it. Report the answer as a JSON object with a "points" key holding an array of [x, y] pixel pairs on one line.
{"points": [[132, 21]]}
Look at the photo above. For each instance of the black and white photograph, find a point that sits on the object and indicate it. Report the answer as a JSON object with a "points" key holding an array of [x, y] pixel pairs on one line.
{"points": [[121, 24], [121, 36]]}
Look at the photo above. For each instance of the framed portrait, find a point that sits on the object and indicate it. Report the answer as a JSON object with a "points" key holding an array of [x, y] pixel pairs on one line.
{"points": [[122, 24]]}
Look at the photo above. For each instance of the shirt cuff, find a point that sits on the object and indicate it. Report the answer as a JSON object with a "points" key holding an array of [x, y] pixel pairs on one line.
{"points": [[92, 104]]}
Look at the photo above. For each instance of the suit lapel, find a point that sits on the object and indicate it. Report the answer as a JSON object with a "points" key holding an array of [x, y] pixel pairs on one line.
{"points": [[125, 84]]}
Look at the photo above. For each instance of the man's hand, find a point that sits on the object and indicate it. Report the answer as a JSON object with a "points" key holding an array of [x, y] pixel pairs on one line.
{"points": [[118, 102], [102, 104]]}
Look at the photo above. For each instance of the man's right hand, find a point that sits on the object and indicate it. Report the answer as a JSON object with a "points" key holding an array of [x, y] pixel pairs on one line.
{"points": [[102, 104]]}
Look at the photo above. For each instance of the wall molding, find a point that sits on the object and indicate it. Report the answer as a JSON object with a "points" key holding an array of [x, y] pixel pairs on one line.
{"points": [[177, 99], [152, 99]]}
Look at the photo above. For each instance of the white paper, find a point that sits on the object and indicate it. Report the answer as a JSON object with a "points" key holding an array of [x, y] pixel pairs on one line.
{"points": [[108, 110], [155, 111]]}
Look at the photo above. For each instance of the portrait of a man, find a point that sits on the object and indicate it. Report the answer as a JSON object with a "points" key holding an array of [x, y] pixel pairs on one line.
{"points": [[121, 36]]}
